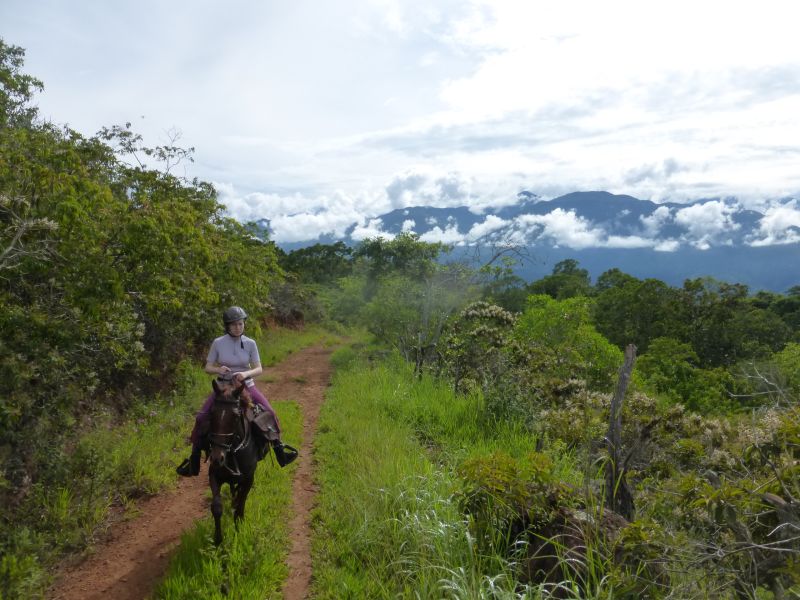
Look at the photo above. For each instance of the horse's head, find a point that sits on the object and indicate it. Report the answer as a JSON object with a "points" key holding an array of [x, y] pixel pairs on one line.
{"points": [[225, 426]]}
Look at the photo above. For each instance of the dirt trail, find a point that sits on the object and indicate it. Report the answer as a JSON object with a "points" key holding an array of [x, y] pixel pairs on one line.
{"points": [[130, 562]]}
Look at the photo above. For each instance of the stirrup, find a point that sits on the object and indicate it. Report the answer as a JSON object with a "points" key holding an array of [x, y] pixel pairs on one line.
{"points": [[285, 454]]}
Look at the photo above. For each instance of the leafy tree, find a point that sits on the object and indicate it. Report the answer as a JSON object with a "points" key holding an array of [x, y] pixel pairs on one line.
{"points": [[723, 327], [563, 328], [320, 263], [502, 286], [670, 368], [410, 314], [404, 255], [110, 272], [634, 311], [16, 88], [566, 281], [613, 278]]}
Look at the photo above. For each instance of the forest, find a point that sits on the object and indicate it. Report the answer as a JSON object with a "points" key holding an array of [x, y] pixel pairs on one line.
{"points": [[557, 438]]}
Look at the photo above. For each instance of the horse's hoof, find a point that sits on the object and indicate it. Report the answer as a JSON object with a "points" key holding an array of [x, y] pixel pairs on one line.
{"points": [[185, 468]]}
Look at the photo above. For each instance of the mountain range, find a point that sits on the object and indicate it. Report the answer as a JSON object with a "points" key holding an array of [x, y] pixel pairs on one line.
{"points": [[719, 238]]}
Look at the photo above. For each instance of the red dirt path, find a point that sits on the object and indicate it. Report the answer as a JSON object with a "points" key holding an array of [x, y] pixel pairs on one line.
{"points": [[133, 558]]}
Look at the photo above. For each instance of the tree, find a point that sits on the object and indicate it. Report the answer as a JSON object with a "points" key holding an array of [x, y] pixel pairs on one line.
{"points": [[566, 281], [635, 311], [320, 263], [404, 255], [563, 328], [16, 88]]}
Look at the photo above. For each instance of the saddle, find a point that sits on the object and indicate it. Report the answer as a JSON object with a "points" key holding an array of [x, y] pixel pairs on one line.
{"points": [[265, 429]]}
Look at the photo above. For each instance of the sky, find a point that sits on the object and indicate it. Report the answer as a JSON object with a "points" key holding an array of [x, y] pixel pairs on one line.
{"points": [[321, 115]]}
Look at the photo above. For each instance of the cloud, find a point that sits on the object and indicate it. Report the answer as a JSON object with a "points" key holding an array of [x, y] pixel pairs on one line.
{"points": [[707, 222], [563, 228], [489, 225], [653, 172], [408, 225], [302, 227], [449, 235], [780, 225], [373, 229], [402, 188], [667, 246], [657, 219]]}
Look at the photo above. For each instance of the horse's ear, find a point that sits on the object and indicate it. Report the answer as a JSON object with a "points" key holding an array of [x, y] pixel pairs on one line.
{"points": [[215, 385]]}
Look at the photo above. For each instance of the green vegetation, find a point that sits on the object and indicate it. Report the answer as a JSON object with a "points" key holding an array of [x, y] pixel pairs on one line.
{"points": [[449, 505]]}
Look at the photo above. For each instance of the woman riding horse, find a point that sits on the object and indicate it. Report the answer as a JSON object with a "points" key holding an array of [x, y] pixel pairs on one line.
{"points": [[233, 357]]}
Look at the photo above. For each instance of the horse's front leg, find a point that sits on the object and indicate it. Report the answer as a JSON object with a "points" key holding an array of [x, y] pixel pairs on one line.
{"points": [[241, 497], [216, 505]]}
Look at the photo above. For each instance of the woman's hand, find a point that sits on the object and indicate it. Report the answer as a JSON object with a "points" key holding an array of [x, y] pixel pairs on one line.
{"points": [[223, 370]]}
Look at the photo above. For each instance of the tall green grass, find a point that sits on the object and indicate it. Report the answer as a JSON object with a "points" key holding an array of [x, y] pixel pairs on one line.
{"points": [[387, 523]]}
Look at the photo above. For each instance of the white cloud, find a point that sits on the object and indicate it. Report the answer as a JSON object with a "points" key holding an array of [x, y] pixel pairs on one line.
{"points": [[361, 107], [563, 228], [657, 219], [629, 241], [708, 222], [780, 225], [302, 227], [408, 225], [489, 225], [667, 246], [373, 228], [450, 235]]}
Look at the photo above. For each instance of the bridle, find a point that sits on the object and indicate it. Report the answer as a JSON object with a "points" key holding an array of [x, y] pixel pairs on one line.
{"points": [[226, 441]]}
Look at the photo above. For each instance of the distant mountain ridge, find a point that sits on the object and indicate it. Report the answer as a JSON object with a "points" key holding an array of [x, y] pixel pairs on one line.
{"points": [[669, 241]]}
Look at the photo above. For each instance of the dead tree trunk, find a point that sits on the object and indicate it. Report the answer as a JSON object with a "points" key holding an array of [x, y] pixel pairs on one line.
{"points": [[618, 496]]}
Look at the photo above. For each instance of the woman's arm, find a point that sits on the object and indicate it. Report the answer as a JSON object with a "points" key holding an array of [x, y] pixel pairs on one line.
{"points": [[254, 372], [213, 369]]}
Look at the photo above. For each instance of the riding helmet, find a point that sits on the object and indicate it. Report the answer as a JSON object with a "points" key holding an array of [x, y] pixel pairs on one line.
{"points": [[234, 313]]}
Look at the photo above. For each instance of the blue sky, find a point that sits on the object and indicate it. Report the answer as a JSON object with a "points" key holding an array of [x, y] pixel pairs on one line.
{"points": [[319, 115]]}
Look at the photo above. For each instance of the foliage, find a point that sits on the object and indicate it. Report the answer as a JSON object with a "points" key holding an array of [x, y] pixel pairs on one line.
{"points": [[504, 497], [566, 281], [631, 311], [473, 346], [564, 330], [404, 255], [320, 263], [670, 368], [788, 364]]}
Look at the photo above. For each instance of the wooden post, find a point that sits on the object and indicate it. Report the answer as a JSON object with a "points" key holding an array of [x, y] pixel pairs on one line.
{"points": [[618, 495]]}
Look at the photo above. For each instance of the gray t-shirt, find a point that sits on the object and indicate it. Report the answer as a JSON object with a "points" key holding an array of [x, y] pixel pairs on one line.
{"points": [[238, 354]]}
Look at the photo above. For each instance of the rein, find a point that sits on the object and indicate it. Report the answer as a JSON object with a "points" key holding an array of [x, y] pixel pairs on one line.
{"points": [[226, 445]]}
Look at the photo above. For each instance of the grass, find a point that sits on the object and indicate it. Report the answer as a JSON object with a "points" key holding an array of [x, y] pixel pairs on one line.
{"points": [[275, 344], [387, 522]]}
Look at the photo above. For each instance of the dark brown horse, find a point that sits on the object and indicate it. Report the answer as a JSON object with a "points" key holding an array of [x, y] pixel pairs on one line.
{"points": [[234, 453]]}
